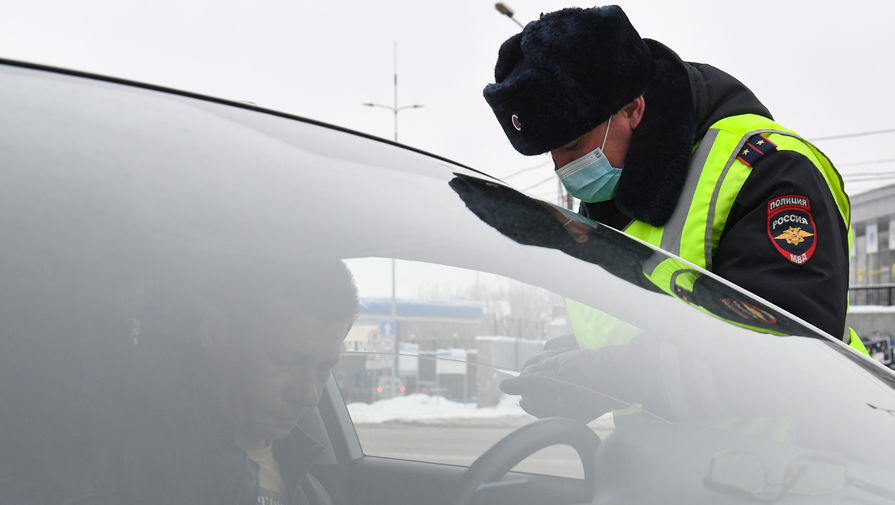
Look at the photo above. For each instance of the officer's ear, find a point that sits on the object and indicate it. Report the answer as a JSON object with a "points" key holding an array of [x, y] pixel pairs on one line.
{"points": [[633, 112]]}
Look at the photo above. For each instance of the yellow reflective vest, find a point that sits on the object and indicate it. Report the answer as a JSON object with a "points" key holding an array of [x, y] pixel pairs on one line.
{"points": [[714, 179]]}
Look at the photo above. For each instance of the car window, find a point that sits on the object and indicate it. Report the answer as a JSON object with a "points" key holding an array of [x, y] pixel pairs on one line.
{"points": [[421, 376]]}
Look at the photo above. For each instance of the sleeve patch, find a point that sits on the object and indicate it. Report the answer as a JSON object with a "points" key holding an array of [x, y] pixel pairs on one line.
{"points": [[756, 147], [791, 227]]}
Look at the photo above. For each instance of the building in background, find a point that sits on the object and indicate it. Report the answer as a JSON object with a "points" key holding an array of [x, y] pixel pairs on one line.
{"points": [[872, 272], [872, 263], [452, 348]]}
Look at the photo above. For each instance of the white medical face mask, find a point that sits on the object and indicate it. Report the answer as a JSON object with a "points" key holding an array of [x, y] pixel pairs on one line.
{"points": [[591, 178]]}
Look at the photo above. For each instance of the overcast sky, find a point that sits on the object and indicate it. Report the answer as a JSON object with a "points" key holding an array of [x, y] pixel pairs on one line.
{"points": [[823, 68]]}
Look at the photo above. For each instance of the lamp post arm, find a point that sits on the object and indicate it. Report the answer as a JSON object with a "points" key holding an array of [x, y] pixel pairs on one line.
{"points": [[506, 11], [394, 108], [369, 104]]}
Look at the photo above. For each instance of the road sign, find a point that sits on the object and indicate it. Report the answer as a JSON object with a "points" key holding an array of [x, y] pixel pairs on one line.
{"points": [[450, 361], [408, 359]]}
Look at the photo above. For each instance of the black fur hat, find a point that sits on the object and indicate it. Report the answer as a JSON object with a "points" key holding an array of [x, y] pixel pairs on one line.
{"points": [[565, 74]]}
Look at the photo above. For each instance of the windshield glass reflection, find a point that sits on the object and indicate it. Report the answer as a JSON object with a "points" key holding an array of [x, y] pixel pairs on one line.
{"points": [[534, 222]]}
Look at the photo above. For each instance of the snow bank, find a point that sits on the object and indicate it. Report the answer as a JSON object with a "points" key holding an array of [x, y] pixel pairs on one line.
{"points": [[871, 309]]}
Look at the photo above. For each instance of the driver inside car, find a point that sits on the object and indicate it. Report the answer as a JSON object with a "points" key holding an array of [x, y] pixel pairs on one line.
{"points": [[267, 340]]}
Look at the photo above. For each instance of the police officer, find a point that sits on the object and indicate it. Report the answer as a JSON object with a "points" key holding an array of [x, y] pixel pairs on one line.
{"points": [[679, 154]]}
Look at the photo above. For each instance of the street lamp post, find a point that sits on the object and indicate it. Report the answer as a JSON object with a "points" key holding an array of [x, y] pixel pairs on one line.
{"points": [[394, 108], [394, 314]]}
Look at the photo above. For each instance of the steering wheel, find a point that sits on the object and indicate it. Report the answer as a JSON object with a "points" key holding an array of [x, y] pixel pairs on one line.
{"points": [[509, 451]]}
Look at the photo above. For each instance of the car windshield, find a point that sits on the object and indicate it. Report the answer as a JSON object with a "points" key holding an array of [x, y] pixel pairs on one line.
{"points": [[158, 246]]}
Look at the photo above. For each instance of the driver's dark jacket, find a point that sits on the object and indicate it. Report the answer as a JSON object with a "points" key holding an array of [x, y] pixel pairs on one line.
{"points": [[682, 102], [185, 453]]}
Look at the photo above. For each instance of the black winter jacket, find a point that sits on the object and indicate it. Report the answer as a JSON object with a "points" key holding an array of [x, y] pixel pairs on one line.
{"points": [[683, 100]]}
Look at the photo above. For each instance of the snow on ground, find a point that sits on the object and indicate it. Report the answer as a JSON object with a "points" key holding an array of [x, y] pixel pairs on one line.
{"points": [[870, 309], [420, 407]]}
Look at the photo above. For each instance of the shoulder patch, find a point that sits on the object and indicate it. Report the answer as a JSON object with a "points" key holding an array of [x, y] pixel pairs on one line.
{"points": [[756, 147], [791, 227]]}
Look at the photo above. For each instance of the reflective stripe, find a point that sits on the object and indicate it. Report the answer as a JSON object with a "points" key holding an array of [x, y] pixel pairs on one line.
{"points": [[708, 240], [649, 266], [674, 228], [685, 278]]}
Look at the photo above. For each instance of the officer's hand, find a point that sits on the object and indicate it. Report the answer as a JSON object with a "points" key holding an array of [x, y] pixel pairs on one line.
{"points": [[560, 385], [552, 348]]}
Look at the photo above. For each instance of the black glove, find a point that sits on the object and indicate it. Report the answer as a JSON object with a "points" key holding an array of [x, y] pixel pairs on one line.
{"points": [[552, 348], [565, 384]]}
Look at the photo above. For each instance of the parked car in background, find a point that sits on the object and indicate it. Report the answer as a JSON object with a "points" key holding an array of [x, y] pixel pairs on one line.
{"points": [[122, 205], [879, 345], [389, 387]]}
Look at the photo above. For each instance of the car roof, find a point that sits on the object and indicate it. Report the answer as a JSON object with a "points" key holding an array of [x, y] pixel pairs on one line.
{"points": [[224, 101]]}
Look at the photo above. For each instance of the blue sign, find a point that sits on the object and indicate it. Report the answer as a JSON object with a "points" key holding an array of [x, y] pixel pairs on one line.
{"points": [[387, 328]]}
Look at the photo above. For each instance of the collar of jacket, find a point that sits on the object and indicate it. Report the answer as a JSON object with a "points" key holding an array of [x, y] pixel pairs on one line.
{"points": [[682, 101], [295, 455], [659, 153]]}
